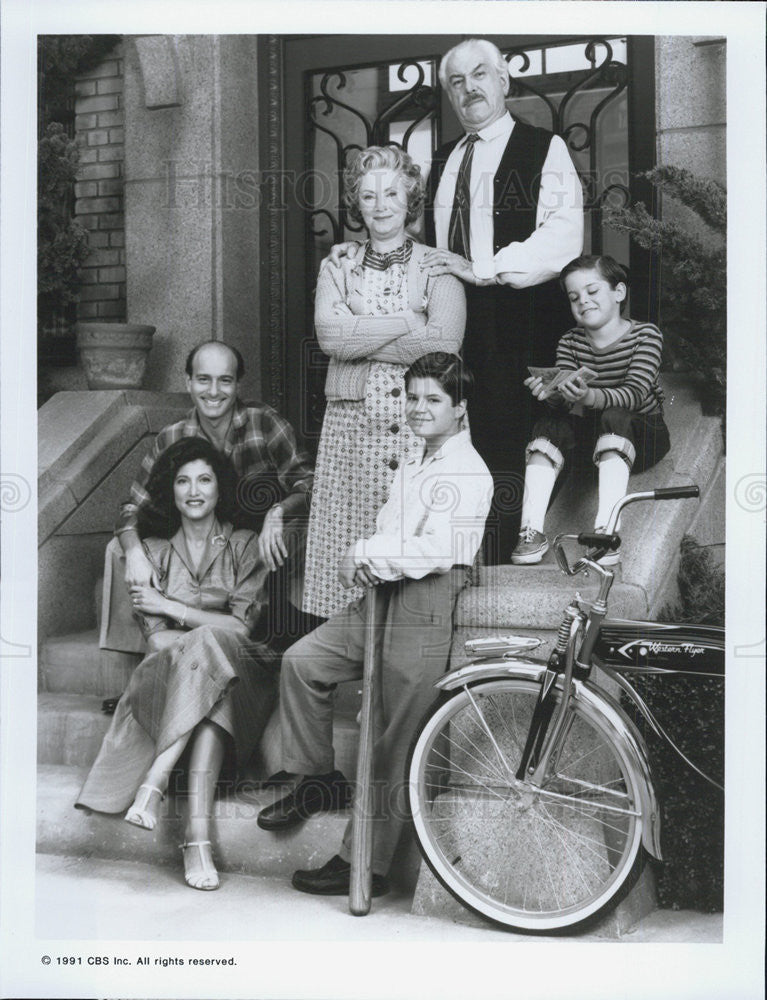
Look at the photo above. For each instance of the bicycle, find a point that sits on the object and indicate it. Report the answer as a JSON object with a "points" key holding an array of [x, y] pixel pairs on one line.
{"points": [[529, 785]]}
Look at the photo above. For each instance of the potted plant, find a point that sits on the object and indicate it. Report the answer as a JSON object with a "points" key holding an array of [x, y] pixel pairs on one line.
{"points": [[62, 243]]}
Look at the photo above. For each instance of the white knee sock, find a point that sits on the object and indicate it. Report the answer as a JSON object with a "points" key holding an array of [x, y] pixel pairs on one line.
{"points": [[539, 482], [613, 481]]}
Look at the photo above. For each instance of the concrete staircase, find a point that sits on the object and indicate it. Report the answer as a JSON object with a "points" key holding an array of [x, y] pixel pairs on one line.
{"points": [[74, 675], [531, 599]]}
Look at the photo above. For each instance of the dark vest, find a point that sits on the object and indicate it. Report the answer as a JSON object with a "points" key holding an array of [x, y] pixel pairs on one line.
{"points": [[515, 186], [503, 320]]}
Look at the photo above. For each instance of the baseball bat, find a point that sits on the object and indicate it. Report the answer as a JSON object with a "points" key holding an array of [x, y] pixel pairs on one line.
{"points": [[361, 857]]}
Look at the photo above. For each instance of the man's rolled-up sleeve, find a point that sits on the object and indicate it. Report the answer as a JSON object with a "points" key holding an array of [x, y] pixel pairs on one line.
{"points": [[558, 236]]}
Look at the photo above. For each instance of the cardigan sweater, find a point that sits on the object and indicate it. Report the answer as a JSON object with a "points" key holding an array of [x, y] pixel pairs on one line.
{"points": [[434, 321]]}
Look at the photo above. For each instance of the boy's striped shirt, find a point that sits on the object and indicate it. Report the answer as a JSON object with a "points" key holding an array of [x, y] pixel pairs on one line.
{"points": [[627, 370]]}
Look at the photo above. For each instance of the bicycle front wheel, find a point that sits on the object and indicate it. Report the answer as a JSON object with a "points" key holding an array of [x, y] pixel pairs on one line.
{"points": [[530, 858]]}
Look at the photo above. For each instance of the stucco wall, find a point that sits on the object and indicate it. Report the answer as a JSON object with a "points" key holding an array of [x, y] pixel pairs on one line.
{"points": [[191, 189], [691, 111]]}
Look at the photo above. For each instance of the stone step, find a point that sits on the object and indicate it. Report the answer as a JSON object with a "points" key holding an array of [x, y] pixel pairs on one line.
{"points": [[75, 664], [534, 597], [70, 728], [241, 845], [650, 531]]}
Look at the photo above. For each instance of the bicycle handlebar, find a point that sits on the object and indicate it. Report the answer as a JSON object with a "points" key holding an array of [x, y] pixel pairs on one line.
{"points": [[598, 539], [610, 539], [676, 492], [663, 493]]}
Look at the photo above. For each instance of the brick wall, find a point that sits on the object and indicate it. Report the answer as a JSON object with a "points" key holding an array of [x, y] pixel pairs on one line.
{"points": [[99, 207]]}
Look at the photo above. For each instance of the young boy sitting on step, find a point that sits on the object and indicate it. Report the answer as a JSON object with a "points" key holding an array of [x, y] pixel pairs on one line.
{"points": [[613, 414]]}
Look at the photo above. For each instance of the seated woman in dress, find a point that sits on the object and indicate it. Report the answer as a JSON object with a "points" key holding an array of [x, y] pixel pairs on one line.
{"points": [[204, 685], [374, 315]]}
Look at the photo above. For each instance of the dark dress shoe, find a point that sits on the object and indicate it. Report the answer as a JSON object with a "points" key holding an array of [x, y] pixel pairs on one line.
{"points": [[278, 779], [317, 793], [333, 880]]}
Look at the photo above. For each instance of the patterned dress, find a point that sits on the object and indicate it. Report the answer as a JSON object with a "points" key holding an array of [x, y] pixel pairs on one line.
{"points": [[362, 444]]}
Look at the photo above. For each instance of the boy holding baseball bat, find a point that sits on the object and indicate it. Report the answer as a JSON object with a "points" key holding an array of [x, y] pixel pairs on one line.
{"points": [[427, 535]]}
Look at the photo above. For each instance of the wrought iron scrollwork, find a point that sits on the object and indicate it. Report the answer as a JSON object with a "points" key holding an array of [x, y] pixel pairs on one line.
{"points": [[334, 224], [331, 103], [609, 72], [580, 136], [519, 87], [420, 99], [622, 189]]}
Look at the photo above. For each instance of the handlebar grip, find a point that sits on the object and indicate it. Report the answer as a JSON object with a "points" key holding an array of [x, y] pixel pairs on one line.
{"points": [[676, 492], [597, 540]]}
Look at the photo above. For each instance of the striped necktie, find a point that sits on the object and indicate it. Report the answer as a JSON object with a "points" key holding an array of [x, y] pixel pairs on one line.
{"points": [[458, 234]]}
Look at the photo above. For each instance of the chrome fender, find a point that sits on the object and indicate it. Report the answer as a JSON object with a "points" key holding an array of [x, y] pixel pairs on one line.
{"points": [[621, 728]]}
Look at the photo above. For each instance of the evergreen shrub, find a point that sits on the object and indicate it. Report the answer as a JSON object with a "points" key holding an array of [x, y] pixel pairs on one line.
{"points": [[691, 710], [692, 273]]}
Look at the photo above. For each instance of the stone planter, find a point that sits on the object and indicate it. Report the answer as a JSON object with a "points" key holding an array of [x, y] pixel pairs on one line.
{"points": [[114, 355]]}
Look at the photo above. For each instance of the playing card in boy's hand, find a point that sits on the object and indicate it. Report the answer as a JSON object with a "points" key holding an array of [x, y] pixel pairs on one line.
{"points": [[546, 374], [554, 377]]}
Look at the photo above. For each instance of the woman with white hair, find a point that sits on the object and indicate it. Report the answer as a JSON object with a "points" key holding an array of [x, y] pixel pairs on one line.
{"points": [[374, 316]]}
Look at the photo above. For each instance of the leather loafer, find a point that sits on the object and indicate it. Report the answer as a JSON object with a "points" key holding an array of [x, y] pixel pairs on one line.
{"points": [[278, 779], [333, 879], [317, 793]]}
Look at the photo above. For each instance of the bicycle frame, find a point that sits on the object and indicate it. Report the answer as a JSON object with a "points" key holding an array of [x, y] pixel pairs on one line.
{"points": [[586, 640]]}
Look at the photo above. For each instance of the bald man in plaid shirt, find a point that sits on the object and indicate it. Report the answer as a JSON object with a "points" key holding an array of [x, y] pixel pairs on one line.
{"points": [[275, 476]]}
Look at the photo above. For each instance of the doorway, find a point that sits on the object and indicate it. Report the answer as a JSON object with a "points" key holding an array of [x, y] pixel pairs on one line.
{"points": [[328, 95]]}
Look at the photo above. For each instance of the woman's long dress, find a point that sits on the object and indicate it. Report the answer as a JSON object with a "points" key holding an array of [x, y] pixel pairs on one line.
{"points": [[361, 445], [207, 673]]}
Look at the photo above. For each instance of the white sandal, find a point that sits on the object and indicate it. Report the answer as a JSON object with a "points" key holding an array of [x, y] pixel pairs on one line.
{"points": [[139, 813], [206, 876]]}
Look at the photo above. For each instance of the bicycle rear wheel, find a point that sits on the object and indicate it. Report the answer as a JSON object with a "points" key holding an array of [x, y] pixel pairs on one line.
{"points": [[531, 859]]}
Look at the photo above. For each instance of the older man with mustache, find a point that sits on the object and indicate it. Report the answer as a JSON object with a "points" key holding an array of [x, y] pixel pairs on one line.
{"points": [[505, 210]]}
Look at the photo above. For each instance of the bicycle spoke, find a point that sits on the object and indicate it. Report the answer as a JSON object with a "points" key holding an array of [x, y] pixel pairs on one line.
{"points": [[530, 857], [580, 838], [576, 863], [489, 732], [589, 753], [452, 767], [573, 801], [516, 738], [602, 788], [463, 750], [546, 866], [484, 758]]}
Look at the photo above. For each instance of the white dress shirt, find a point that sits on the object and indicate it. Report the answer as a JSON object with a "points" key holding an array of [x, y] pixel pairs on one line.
{"points": [[435, 516], [558, 235]]}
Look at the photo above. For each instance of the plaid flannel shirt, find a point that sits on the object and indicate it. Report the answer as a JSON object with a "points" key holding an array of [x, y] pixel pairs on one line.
{"points": [[261, 446]]}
